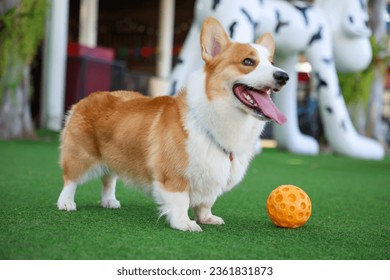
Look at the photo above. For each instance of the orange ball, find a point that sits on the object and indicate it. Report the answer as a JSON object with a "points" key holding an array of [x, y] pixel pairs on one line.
{"points": [[288, 206]]}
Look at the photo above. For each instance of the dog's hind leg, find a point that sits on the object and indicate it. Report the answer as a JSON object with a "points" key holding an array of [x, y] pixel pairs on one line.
{"points": [[66, 198], [78, 167], [175, 206], [108, 192]]}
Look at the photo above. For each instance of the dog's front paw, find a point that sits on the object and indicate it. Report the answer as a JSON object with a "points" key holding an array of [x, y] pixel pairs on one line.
{"points": [[111, 203], [67, 205], [211, 220], [187, 226]]}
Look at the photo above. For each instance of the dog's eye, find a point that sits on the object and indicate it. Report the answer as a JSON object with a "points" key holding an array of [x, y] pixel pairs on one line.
{"points": [[248, 62]]}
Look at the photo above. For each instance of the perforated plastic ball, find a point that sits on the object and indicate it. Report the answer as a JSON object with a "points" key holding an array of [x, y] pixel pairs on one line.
{"points": [[289, 206]]}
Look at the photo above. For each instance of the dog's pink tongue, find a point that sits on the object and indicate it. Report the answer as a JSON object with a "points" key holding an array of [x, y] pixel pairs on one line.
{"points": [[269, 108]]}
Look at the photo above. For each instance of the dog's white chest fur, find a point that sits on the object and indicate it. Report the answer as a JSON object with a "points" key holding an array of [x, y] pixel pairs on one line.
{"points": [[221, 142]]}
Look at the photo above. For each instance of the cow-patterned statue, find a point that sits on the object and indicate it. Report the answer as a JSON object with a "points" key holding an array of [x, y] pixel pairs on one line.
{"points": [[331, 33]]}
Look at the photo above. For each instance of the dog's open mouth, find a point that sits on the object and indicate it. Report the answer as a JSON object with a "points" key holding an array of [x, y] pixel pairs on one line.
{"points": [[259, 101]]}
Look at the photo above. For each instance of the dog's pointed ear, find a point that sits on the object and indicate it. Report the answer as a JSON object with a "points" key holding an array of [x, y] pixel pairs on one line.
{"points": [[267, 41], [213, 39]]}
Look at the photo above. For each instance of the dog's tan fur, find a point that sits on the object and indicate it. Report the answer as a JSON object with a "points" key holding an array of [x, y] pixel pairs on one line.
{"points": [[132, 134]]}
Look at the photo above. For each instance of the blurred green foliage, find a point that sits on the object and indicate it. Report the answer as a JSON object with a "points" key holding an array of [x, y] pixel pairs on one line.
{"points": [[21, 31], [356, 86]]}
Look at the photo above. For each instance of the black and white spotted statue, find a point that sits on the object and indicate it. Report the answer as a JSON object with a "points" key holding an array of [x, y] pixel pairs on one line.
{"points": [[333, 35]]}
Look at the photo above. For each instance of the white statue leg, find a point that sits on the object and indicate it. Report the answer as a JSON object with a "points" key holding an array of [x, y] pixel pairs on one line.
{"points": [[341, 134], [189, 59], [339, 131], [288, 135]]}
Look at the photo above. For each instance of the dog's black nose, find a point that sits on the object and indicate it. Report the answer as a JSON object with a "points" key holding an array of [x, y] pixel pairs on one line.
{"points": [[281, 77]]}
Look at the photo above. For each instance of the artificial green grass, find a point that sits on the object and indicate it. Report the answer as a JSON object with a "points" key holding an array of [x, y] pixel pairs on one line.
{"points": [[350, 218]]}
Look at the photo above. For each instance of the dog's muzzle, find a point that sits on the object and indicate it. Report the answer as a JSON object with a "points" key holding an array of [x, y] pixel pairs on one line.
{"points": [[281, 77]]}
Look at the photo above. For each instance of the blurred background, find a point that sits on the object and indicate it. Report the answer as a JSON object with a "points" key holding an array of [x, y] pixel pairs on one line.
{"points": [[55, 52]]}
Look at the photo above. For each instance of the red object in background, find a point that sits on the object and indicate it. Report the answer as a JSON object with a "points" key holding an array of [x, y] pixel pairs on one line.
{"points": [[77, 50], [147, 52], [88, 70], [303, 77]]}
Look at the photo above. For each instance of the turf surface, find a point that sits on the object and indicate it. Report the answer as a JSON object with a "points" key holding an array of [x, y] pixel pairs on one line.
{"points": [[350, 218]]}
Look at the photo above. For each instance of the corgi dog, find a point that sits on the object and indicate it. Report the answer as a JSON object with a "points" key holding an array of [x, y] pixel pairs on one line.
{"points": [[185, 150]]}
